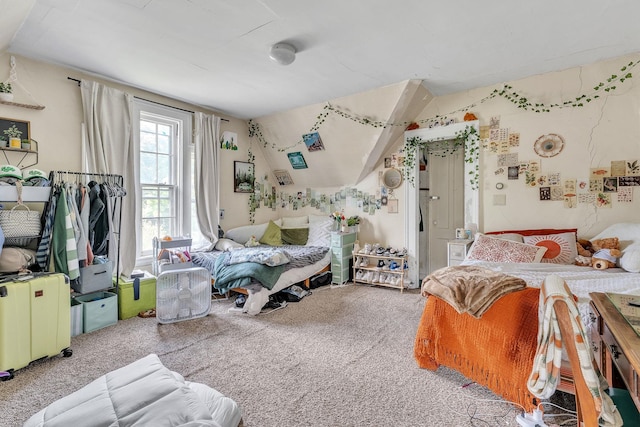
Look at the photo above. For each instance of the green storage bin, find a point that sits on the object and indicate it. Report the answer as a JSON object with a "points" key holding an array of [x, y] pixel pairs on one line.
{"points": [[128, 306], [100, 309]]}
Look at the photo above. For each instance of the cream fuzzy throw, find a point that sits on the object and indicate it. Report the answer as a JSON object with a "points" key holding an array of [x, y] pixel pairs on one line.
{"points": [[470, 289]]}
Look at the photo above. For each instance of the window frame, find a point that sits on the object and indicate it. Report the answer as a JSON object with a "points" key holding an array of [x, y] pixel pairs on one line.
{"points": [[182, 165]]}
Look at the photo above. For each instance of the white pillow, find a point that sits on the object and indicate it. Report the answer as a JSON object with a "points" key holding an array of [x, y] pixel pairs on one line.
{"points": [[318, 218], [630, 259], [243, 233], [320, 233], [295, 222], [561, 247], [627, 234], [514, 237], [227, 245]]}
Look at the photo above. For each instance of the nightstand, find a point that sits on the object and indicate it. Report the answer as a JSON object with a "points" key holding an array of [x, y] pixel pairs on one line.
{"points": [[457, 250], [341, 250]]}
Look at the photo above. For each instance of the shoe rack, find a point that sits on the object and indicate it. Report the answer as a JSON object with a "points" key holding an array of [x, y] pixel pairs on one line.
{"points": [[380, 266]]}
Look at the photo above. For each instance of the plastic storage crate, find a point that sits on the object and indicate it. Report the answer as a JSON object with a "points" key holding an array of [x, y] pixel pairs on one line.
{"points": [[183, 294], [171, 254]]}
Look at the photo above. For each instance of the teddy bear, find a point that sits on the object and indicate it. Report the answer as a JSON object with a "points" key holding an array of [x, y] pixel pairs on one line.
{"points": [[599, 254]]}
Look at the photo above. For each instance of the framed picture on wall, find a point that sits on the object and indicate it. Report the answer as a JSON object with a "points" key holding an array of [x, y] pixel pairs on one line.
{"points": [[243, 177], [297, 160], [14, 128]]}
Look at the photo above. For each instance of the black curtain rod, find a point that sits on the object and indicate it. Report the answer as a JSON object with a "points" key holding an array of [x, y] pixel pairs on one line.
{"points": [[153, 102]]}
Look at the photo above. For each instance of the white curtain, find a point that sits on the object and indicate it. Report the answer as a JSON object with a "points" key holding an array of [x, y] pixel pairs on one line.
{"points": [[207, 174], [109, 148]]}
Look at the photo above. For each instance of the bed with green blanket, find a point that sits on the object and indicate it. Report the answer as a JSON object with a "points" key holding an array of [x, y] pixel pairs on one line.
{"points": [[262, 270]]}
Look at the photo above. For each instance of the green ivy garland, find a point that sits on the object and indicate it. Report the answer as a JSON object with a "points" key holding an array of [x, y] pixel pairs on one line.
{"points": [[507, 92], [467, 138]]}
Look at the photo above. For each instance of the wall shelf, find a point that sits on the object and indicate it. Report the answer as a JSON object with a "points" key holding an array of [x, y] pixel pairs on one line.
{"points": [[17, 152], [18, 104]]}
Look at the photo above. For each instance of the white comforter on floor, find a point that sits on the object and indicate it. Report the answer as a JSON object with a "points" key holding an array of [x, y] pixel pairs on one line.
{"points": [[144, 393]]}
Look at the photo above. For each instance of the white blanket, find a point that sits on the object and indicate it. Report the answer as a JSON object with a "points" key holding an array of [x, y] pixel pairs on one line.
{"points": [[581, 280], [144, 393]]}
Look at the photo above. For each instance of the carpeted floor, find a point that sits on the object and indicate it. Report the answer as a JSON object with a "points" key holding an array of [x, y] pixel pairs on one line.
{"points": [[342, 356]]}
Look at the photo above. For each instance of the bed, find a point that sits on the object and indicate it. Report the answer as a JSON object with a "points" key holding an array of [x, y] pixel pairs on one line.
{"points": [[497, 349], [250, 258]]}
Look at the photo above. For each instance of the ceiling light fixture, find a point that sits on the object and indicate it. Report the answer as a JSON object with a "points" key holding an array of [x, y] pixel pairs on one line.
{"points": [[283, 53]]}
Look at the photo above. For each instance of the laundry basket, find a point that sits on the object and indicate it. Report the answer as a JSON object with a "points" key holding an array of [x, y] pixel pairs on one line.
{"points": [[183, 294]]}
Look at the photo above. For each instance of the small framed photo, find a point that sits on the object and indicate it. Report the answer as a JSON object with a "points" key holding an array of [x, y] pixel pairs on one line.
{"points": [[243, 177], [12, 128], [297, 160]]}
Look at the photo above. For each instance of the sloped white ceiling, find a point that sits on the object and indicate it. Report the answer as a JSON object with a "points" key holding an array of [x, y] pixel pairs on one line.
{"points": [[214, 53]]}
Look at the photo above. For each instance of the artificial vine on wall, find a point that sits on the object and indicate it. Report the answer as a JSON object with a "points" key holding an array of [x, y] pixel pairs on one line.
{"points": [[468, 138], [442, 147]]}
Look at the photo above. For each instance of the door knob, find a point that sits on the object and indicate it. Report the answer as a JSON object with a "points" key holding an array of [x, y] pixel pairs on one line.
{"points": [[434, 197]]}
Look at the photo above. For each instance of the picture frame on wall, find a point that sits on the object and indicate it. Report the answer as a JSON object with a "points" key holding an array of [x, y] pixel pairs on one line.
{"points": [[9, 126], [297, 160], [243, 177]]}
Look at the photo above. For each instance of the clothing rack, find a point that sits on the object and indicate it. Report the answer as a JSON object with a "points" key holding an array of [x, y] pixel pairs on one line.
{"points": [[115, 189]]}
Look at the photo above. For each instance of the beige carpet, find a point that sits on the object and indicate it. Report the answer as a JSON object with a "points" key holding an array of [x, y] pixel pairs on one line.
{"points": [[343, 356]]}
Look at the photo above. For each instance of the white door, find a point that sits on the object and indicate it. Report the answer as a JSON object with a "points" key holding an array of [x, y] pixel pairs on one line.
{"points": [[446, 204], [423, 220]]}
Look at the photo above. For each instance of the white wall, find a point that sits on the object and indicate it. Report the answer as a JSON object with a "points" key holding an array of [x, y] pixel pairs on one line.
{"points": [[603, 130]]}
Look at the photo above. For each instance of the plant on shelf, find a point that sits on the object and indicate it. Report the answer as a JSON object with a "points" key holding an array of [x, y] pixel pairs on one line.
{"points": [[3, 141], [353, 220], [14, 136], [26, 144], [6, 92]]}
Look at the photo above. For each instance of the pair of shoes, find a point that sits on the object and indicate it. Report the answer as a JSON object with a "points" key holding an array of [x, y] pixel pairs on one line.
{"points": [[240, 300], [148, 313]]}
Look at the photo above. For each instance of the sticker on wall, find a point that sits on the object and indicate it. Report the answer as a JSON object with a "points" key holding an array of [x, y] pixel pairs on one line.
{"points": [[283, 177], [586, 198], [618, 168], [625, 194], [595, 185], [229, 141], [629, 181], [633, 168], [549, 145], [313, 141], [603, 200], [297, 160], [600, 172], [610, 184]]}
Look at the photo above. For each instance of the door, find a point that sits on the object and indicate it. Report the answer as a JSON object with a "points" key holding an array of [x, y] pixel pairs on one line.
{"points": [[446, 204]]}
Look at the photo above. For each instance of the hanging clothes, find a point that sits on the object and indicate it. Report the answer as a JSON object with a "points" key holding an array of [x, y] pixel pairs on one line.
{"points": [[42, 254], [65, 253]]}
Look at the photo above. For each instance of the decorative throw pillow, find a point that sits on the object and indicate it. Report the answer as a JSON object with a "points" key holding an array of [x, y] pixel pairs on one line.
{"points": [[561, 248], [227, 245], [295, 236], [272, 235], [243, 233], [320, 233], [491, 249]]}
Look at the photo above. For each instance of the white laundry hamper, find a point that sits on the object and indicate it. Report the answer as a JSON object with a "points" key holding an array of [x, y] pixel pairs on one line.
{"points": [[183, 294]]}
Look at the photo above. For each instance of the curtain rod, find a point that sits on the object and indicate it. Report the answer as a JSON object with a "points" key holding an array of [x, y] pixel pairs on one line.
{"points": [[153, 102]]}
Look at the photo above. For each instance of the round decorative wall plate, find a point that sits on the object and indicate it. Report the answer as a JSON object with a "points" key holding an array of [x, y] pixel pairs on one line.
{"points": [[548, 145]]}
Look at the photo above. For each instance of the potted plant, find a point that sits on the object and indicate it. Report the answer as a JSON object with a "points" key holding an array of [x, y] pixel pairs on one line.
{"points": [[3, 141], [26, 144], [6, 92], [14, 136]]}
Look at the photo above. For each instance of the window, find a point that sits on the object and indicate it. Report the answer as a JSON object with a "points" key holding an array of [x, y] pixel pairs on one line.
{"points": [[165, 150]]}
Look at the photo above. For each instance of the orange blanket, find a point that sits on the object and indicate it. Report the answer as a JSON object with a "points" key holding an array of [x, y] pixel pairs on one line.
{"points": [[495, 351]]}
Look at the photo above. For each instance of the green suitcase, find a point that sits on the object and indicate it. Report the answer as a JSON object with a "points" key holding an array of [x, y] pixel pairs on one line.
{"points": [[35, 319]]}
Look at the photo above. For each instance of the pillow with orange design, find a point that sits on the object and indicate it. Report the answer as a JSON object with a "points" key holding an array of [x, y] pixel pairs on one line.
{"points": [[561, 247]]}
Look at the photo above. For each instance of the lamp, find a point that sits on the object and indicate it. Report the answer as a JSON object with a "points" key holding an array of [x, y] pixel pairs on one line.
{"points": [[283, 53]]}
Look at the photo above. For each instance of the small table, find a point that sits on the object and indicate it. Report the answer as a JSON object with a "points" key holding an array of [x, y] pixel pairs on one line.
{"points": [[457, 250]]}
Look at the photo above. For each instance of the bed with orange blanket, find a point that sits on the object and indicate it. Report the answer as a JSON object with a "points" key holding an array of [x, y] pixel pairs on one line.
{"points": [[495, 351]]}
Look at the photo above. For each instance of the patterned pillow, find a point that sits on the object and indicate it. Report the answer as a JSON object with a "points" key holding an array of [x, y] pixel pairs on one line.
{"points": [[561, 248], [320, 233], [490, 249]]}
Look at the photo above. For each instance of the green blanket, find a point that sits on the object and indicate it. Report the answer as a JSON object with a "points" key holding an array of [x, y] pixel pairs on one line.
{"points": [[239, 275]]}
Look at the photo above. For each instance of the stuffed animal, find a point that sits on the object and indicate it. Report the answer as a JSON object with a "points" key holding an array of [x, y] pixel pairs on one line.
{"points": [[584, 253], [605, 253]]}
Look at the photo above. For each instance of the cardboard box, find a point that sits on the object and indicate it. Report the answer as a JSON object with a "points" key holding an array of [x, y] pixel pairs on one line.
{"points": [[100, 309], [130, 302]]}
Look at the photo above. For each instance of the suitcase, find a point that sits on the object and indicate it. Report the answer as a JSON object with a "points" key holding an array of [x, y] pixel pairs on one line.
{"points": [[183, 294], [35, 319]]}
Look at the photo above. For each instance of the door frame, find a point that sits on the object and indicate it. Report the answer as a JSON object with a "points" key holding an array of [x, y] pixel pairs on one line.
{"points": [[412, 192]]}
